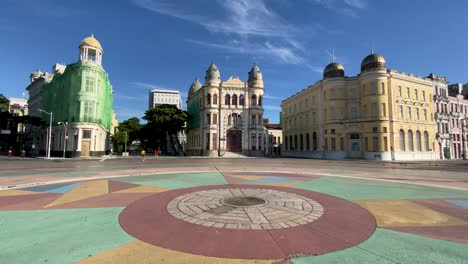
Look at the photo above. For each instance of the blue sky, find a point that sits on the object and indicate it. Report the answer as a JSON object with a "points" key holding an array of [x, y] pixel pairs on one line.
{"points": [[165, 44]]}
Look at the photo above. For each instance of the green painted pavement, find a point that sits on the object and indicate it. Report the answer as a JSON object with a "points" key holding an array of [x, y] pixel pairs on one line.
{"points": [[177, 180], [386, 246], [356, 189], [59, 236]]}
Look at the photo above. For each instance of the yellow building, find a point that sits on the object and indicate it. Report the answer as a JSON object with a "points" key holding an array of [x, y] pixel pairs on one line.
{"points": [[379, 114]]}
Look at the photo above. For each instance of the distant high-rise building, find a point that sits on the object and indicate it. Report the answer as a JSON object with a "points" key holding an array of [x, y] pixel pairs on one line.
{"points": [[160, 97]]}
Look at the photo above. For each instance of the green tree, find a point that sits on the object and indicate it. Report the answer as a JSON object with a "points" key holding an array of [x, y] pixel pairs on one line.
{"points": [[164, 123], [127, 132], [4, 103]]}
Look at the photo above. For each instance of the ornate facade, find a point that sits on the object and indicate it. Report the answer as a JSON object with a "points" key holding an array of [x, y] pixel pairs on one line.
{"points": [[79, 96], [225, 116], [380, 114]]}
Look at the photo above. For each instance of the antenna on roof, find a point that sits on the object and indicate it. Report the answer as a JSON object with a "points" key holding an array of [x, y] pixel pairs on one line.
{"points": [[372, 48]]}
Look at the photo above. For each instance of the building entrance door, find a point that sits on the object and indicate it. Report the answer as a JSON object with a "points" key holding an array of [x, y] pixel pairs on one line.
{"points": [[234, 140], [85, 148], [354, 146]]}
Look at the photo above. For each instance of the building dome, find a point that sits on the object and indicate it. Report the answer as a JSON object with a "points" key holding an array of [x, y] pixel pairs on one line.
{"points": [[255, 76], [373, 62], [333, 69], [91, 42], [212, 74], [195, 86]]}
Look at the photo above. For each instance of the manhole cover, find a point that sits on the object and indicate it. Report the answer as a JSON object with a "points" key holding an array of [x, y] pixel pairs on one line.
{"points": [[243, 201]]}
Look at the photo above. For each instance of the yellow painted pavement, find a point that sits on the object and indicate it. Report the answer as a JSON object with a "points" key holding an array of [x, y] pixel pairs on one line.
{"points": [[393, 213], [141, 252], [249, 177], [143, 189], [17, 192], [83, 191]]}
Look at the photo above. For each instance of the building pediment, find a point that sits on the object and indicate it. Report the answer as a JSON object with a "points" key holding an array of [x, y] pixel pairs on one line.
{"points": [[234, 82]]}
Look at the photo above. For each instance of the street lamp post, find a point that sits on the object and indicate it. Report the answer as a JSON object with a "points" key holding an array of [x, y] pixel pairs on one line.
{"points": [[50, 131], [65, 137]]}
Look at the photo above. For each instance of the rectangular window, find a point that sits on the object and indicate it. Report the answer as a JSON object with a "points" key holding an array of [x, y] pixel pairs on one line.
{"points": [[326, 144], [366, 144], [86, 134], [383, 111], [382, 88], [424, 96], [417, 113], [332, 131], [89, 84], [408, 108], [375, 143], [208, 141], [208, 119], [341, 143], [353, 112], [374, 130], [400, 111], [215, 119], [373, 88], [89, 111], [364, 110], [314, 117], [416, 94], [407, 92], [374, 109], [425, 114], [353, 93], [333, 143], [385, 143], [399, 91]]}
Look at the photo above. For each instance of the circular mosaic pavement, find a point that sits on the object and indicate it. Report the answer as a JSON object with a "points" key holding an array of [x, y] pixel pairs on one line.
{"points": [[245, 208], [247, 221]]}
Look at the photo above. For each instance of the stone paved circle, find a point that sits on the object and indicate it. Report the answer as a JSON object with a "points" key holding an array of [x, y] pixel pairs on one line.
{"points": [[245, 208]]}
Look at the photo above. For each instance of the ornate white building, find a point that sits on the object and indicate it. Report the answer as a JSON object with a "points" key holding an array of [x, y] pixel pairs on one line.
{"points": [[225, 116]]}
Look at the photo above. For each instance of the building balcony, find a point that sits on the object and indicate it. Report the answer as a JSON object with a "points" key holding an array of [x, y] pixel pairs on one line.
{"points": [[441, 116]]}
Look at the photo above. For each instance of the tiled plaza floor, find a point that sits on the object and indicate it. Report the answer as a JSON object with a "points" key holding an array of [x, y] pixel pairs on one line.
{"points": [[193, 215]]}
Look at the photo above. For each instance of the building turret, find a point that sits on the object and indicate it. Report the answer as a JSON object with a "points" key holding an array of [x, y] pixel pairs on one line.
{"points": [[212, 77], [194, 87], [91, 50], [333, 69], [373, 62], [255, 77]]}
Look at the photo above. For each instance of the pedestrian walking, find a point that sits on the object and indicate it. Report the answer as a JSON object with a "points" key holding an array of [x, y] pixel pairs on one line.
{"points": [[23, 153], [143, 153], [10, 152]]}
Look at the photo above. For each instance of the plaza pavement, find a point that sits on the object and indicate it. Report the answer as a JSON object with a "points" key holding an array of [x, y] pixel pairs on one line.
{"points": [[186, 210]]}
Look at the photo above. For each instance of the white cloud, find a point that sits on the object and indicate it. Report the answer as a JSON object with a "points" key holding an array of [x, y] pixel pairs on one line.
{"points": [[268, 96], [360, 4]]}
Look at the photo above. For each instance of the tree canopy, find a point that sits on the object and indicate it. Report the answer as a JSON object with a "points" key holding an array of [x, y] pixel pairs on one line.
{"points": [[164, 123], [127, 132]]}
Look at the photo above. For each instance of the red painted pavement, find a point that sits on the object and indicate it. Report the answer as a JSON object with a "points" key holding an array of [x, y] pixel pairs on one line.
{"points": [[106, 200], [115, 186], [27, 201], [444, 207], [342, 225]]}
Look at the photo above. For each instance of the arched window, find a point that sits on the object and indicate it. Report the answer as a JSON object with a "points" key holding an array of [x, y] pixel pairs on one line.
{"points": [[410, 141], [291, 147], [314, 141], [307, 141], [208, 99], [241, 99], [234, 99], [215, 99], [227, 99], [426, 141], [253, 101], [418, 141], [229, 119], [402, 140], [260, 98]]}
